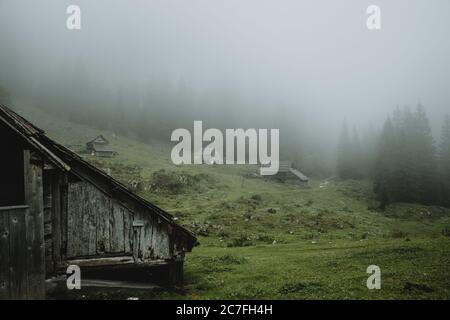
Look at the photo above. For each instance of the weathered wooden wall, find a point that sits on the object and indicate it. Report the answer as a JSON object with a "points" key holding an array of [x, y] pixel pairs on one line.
{"points": [[154, 238], [54, 212], [100, 225], [22, 263], [96, 224]]}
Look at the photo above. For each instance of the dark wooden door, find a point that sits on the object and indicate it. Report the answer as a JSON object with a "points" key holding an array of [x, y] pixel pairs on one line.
{"points": [[20, 265], [22, 262]]}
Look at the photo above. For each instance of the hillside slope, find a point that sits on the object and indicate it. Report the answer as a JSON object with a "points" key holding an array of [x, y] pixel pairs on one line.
{"points": [[262, 239]]}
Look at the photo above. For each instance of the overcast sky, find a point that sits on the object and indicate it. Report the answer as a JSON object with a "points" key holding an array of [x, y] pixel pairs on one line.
{"points": [[317, 56]]}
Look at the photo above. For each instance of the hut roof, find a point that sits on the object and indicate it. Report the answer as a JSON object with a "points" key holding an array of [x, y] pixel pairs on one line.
{"points": [[300, 175], [100, 139], [69, 161], [286, 166]]}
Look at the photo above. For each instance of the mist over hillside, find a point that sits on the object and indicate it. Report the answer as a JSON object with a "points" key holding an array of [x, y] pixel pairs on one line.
{"points": [[306, 68], [359, 192]]}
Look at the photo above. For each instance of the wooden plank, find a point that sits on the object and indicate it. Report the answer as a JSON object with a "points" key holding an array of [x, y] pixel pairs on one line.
{"points": [[128, 231], [48, 228], [56, 218], [92, 212], [103, 225], [146, 249], [13, 208], [85, 223], [81, 225], [4, 255], [74, 216], [47, 231], [126, 261], [64, 213], [99, 283], [49, 265], [160, 241], [155, 241], [89, 230], [48, 215], [102, 262], [47, 191], [60, 282], [18, 255], [136, 243], [116, 228], [34, 227]]}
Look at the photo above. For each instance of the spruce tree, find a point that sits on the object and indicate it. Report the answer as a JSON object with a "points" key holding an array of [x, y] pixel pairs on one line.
{"points": [[444, 161], [385, 184], [424, 157]]}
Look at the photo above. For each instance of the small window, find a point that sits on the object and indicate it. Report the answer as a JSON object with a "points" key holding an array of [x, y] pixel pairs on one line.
{"points": [[12, 189]]}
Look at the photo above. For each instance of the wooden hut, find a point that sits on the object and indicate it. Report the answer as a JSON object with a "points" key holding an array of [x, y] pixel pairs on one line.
{"points": [[288, 174], [100, 147], [56, 210]]}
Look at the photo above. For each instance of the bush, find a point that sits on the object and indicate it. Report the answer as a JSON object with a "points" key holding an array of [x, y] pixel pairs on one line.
{"points": [[294, 287], [229, 259], [398, 234], [241, 241], [176, 183], [256, 197]]}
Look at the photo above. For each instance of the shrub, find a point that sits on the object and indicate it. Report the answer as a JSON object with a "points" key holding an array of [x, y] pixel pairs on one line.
{"points": [[398, 234], [241, 241], [256, 197], [178, 182]]}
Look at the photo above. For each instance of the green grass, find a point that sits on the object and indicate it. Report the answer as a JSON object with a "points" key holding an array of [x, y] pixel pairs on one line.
{"points": [[264, 240]]}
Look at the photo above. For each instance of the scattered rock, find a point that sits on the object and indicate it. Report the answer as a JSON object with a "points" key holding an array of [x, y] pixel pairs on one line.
{"points": [[411, 287], [201, 229], [256, 197]]}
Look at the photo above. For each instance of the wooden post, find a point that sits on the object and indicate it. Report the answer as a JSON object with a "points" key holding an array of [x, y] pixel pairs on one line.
{"points": [[4, 255], [56, 217], [34, 226]]}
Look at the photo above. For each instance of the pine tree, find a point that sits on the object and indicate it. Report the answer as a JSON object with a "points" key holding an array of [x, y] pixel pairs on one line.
{"points": [[385, 184], [406, 166], [424, 157], [444, 161]]}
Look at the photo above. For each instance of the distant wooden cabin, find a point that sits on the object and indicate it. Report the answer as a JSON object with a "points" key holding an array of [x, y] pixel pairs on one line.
{"points": [[287, 174], [56, 210], [100, 147]]}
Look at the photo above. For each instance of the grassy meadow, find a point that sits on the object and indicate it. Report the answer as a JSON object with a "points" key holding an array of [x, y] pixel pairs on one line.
{"points": [[265, 240]]}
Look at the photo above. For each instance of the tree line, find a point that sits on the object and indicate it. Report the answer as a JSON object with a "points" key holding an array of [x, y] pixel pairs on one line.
{"points": [[403, 159]]}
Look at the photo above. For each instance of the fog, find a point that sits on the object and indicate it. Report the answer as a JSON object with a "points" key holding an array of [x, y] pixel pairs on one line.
{"points": [[312, 64]]}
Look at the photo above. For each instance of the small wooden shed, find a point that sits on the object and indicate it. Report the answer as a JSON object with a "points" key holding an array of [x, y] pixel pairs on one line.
{"points": [[100, 147], [56, 210], [288, 174]]}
